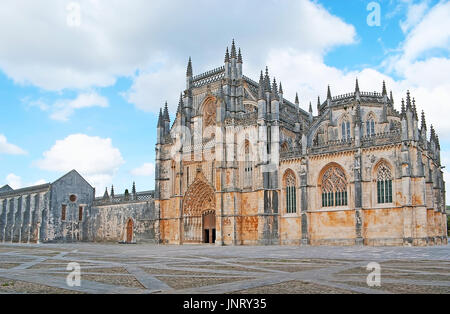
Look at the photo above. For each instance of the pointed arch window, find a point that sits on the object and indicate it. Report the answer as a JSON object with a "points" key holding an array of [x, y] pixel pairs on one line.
{"points": [[370, 126], [334, 188], [384, 184], [291, 193], [345, 130], [248, 166]]}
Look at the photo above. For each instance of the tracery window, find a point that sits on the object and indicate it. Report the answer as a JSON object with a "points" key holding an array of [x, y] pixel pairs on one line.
{"points": [[384, 184], [291, 193], [248, 166], [345, 130], [370, 126], [334, 188]]}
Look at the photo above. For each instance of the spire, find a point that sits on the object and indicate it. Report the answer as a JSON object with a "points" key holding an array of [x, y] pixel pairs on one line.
{"points": [[166, 113], [432, 134], [408, 100], [189, 68], [227, 56], [329, 93], [180, 104], [310, 108], [160, 118], [261, 86], [318, 104], [274, 87], [239, 56], [233, 50], [281, 89], [392, 98], [414, 110], [403, 113], [112, 190], [267, 81], [297, 102], [384, 92], [133, 189], [423, 124], [357, 86], [106, 195]]}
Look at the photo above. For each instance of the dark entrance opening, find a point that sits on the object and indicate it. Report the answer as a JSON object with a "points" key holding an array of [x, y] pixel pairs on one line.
{"points": [[209, 227], [129, 231]]}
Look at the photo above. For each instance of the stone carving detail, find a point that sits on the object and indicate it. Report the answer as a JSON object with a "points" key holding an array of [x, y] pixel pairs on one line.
{"points": [[384, 172], [334, 180], [209, 113]]}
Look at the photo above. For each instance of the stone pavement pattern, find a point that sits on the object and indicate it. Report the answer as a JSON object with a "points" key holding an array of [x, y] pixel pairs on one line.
{"points": [[112, 268]]}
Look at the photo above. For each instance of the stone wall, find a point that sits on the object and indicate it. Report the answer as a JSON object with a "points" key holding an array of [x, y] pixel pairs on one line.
{"points": [[108, 223]]}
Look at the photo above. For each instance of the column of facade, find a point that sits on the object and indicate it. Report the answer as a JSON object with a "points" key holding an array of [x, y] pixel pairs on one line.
{"points": [[10, 219], [3, 209], [18, 221]]}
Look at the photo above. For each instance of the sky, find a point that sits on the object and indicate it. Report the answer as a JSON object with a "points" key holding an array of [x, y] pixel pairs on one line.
{"points": [[82, 82]]}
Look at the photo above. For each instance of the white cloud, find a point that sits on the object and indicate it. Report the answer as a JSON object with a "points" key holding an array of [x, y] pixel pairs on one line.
{"points": [[63, 109], [14, 181], [151, 89], [108, 44], [146, 170], [8, 148], [95, 158], [414, 15]]}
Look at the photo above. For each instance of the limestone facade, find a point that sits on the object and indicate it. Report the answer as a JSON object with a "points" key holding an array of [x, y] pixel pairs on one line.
{"points": [[359, 172]]}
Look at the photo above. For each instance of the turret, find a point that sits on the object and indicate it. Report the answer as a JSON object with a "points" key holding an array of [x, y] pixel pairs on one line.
{"points": [[166, 119], [329, 96], [189, 75], [227, 64], [357, 92], [261, 98], [160, 128]]}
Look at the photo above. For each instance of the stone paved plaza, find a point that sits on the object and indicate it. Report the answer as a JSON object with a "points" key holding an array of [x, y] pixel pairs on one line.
{"points": [[113, 268]]}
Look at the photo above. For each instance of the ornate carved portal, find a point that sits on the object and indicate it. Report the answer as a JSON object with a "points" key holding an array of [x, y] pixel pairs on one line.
{"points": [[199, 208]]}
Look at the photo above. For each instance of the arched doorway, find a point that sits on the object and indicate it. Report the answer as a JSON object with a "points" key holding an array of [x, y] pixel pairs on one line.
{"points": [[130, 230], [199, 212], [209, 227]]}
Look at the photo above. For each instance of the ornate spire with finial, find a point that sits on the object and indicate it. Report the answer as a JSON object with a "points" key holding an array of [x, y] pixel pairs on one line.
{"points": [[227, 56], [297, 102], [233, 50], [392, 98], [180, 104], [357, 86], [112, 190], [310, 108], [281, 89], [189, 68], [384, 91], [329, 93], [261, 86], [432, 133], [106, 195], [318, 104], [133, 189], [423, 124], [239, 56], [160, 119], [274, 87], [267, 81], [166, 113], [408, 100], [403, 113], [414, 110]]}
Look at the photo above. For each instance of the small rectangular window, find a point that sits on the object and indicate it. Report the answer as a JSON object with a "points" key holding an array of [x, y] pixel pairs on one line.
{"points": [[63, 212]]}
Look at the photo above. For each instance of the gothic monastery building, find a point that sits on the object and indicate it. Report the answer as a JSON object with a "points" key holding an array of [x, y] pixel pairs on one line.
{"points": [[242, 165]]}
